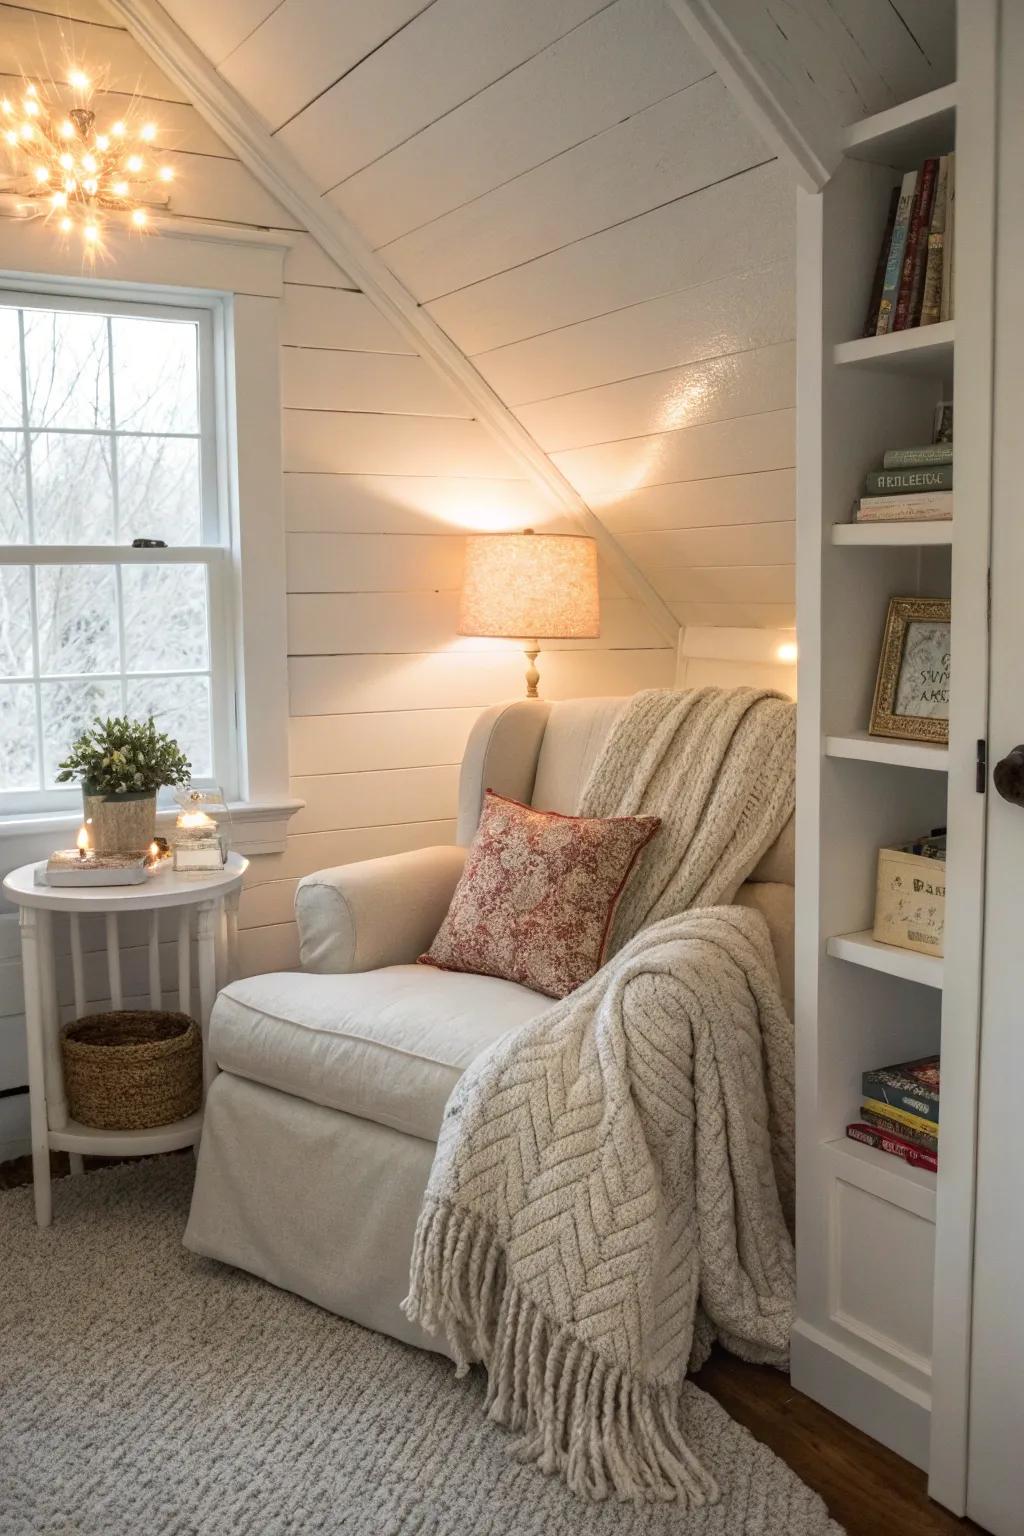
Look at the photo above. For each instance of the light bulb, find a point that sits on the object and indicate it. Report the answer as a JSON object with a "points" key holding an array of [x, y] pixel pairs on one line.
{"points": [[148, 132], [66, 224], [120, 189], [69, 183], [786, 651], [134, 163], [90, 234], [138, 217], [59, 200], [27, 131], [11, 136], [89, 163], [91, 186], [66, 162], [5, 107], [30, 89], [165, 173], [67, 129], [102, 142], [41, 174], [31, 106], [118, 129], [78, 79]]}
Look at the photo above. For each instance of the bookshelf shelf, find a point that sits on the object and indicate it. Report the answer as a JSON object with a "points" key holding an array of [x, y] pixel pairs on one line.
{"points": [[882, 1174], [899, 754], [893, 535], [927, 350], [863, 949], [903, 136]]}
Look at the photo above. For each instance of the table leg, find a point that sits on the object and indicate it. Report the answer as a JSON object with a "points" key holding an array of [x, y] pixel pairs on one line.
{"points": [[206, 964], [27, 919]]}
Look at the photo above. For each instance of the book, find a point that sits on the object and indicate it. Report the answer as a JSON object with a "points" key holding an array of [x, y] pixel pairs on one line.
{"points": [[931, 299], [897, 247], [897, 1146], [906, 1117], [942, 431], [915, 507], [949, 244], [871, 319], [908, 299], [893, 1127], [883, 482], [910, 458], [69, 867], [912, 1086]]}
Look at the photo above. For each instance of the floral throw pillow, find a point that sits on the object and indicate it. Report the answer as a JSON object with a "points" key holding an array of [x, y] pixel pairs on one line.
{"points": [[537, 896]]}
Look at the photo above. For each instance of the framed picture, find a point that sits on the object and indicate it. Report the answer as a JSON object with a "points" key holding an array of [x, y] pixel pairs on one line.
{"points": [[912, 691]]}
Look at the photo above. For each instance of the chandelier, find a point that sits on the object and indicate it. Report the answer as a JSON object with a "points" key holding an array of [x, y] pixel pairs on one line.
{"points": [[75, 172]]}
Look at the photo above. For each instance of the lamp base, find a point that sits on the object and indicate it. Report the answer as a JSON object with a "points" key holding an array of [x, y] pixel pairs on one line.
{"points": [[532, 675]]}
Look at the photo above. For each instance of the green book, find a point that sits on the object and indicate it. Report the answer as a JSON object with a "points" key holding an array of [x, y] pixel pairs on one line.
{"points": [[888, 482], [914, 458]]}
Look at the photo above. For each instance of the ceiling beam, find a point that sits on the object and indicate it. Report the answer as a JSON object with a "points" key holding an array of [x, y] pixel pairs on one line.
{"points": [[275, 167], [813, 164]]}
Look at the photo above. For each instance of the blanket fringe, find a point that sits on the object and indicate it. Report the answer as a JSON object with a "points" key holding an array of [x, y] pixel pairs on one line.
{"points": [[608, 1434]]}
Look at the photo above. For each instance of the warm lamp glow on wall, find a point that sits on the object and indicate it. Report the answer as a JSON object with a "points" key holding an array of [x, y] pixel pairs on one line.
{"points": [[531, 587]]}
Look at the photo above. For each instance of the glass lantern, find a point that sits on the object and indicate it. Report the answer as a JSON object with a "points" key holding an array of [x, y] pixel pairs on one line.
{"points": [[201, 834]]}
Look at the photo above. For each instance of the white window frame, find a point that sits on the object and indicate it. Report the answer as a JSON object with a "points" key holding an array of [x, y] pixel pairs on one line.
{"points": [[171, 269], [213, 553]]}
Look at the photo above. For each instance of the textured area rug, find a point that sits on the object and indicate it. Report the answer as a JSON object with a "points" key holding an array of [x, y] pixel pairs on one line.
{"points": [[147, 1392]]}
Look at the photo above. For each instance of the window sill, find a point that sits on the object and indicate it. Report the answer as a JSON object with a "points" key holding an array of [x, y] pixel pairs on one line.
{"points": [[257, 826]]}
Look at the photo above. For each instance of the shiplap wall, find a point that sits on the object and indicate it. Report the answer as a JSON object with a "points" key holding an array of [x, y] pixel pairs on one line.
{"points": [[385, 472], [569, 190]]}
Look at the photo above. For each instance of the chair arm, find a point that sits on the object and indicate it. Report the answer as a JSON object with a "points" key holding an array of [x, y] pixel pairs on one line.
{"points": [[359, 917]]}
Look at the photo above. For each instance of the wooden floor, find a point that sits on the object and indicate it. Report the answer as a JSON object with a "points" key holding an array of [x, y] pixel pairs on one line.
{"points": [[867, 1489]]}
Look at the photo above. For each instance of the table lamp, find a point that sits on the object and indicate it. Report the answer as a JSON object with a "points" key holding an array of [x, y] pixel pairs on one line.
{"points": [[531, 587]]}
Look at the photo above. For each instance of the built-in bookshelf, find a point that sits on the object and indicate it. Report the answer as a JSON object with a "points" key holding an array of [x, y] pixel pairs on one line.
{"points": [[882, 1328]]}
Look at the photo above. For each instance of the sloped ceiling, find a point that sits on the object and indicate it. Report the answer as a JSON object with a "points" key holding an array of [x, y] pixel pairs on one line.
{"points": [[569, 190]]}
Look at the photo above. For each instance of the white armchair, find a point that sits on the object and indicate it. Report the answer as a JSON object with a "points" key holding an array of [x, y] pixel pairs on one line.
{"points": [[321, 1124]]}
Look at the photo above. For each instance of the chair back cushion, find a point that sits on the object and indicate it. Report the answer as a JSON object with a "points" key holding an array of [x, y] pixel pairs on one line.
{"points": [[541, 753]]}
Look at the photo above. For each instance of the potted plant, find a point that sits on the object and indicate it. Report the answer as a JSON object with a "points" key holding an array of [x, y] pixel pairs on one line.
{"points": [[121, 764]]}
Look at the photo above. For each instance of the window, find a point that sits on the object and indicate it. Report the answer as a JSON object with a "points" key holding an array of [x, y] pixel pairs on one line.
{"points": [[108, 434]]}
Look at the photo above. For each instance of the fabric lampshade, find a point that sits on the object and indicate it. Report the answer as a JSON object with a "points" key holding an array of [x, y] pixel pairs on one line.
{"points": [[540, 586]]}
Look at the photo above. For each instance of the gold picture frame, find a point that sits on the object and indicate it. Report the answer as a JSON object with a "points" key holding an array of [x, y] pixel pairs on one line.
{"points": [[913, 670]]}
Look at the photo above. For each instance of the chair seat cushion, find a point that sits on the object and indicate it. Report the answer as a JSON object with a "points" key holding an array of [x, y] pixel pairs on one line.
{"points": [[387, 1045]]}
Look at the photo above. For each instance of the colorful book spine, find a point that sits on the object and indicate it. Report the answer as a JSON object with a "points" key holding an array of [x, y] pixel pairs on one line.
{"points": [[949, 244], [898, 1095], [884, 482], [916, 507], [896, 1146], [915, 256], [931, 301], [893, 1127], [897, 248], [871, 319], [913, 458], [914, 1122]]}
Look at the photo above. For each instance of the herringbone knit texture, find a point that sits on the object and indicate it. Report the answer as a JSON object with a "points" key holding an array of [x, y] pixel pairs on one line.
{"points": [[146, 1392], [603, 1196]]}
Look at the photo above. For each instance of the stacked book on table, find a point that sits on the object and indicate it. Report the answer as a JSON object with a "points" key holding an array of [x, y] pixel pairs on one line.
{"points": [[914, 485], [913, 282], [900, 1112]]}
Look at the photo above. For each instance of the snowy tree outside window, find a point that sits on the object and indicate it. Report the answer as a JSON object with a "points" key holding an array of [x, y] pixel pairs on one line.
{"points": [[106, 435]]}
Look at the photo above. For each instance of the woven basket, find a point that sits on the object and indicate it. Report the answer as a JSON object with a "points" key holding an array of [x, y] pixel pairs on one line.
{"points": [[132, 1070]]}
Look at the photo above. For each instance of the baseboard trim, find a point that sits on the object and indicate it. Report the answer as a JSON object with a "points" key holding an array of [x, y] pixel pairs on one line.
{"points": [[850, 1385]]}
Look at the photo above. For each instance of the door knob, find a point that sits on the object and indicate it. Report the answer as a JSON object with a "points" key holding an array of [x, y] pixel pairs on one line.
{"points": [[1008, 776]]}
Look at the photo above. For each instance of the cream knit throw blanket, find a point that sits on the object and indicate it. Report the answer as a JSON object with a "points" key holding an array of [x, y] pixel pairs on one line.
{"points": [[606, 1191]]}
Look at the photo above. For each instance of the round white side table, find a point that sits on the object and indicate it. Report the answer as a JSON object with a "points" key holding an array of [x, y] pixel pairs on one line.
{"points": [[213, 898]]}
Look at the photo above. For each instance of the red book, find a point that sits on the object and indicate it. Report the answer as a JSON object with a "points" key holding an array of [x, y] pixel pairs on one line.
{"points": [[896, 1146], [915, 258]]}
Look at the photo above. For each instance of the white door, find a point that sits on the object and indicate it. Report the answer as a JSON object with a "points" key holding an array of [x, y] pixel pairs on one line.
{"points": [[995, 1494]]}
